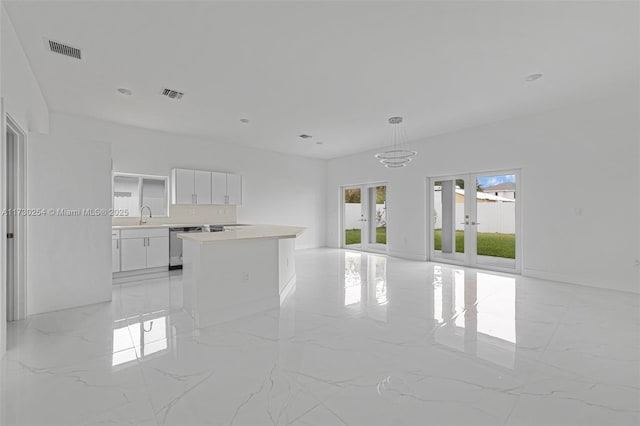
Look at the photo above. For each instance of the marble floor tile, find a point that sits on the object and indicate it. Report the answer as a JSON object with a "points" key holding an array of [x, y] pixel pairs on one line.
{"points": [[364, 340]]}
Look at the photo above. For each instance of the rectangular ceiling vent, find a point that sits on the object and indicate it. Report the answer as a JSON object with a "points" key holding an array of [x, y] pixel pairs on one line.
{"points": [[172, 94], [64, 49]]}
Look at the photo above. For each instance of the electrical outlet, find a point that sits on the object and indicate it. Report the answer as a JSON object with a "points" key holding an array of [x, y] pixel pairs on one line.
{"points": [[245, 277], [637, 263]]}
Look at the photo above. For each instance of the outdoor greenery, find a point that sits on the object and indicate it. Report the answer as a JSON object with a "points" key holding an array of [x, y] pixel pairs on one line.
{"points": [[489, 244], [352, 236], [353, 195]]}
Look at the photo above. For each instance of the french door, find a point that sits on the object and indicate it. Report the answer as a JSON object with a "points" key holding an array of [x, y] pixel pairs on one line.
{"points": [[475, 220], [364, 217]]}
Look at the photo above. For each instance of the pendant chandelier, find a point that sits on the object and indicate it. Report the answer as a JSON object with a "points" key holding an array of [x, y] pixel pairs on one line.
{"points": [[397, 155]]}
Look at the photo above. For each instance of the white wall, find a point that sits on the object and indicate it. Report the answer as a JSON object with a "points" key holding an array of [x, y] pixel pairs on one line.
{"points": [[586, 234], [22, 99], [3, 283], [277, 188], [69, 257]]}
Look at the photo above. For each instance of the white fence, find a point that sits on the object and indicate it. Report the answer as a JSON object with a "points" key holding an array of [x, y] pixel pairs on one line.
{"points": [[492, 217], [352, 215]]}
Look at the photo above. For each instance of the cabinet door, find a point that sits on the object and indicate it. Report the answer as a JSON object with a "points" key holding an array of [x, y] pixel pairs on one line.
{"points": [[234, 189], [133, 254], [218, 188], [115, 255], [202, 187], [157, 252], [184, 186]]}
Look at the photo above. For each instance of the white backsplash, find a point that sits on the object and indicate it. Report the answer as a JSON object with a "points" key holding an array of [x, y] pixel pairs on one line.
{"points": [[183, 214]]}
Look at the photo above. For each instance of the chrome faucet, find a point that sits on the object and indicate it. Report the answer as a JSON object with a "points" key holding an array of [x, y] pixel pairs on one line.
{"points": [[141, 210]]}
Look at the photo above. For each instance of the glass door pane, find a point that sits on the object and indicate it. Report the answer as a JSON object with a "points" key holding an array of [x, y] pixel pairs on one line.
{"points": [[352, 217], [448, 218], [495, 224], [376, 218]]}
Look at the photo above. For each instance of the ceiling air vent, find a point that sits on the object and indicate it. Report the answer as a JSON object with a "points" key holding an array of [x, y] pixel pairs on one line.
{"points": [[172, 94], [64, 49]]}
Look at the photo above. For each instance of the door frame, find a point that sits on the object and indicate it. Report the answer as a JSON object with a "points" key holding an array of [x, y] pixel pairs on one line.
{"points": [[470, 259], [20, 225], [364, 203]]}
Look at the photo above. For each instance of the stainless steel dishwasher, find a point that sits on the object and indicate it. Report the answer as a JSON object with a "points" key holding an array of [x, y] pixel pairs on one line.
{"points": [[175, 244]]}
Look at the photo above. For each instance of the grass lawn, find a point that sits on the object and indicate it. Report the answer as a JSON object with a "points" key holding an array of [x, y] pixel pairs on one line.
{"points": [[497, 245], [353, 236]]}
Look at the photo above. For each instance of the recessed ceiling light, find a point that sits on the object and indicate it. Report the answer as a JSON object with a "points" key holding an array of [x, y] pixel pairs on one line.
{"points": [[305, 136], [244, 120], [125, 92], [533, 77]]}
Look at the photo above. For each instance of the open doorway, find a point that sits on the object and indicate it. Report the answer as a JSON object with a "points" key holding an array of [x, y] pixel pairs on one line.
{"points": [[14, 218]]}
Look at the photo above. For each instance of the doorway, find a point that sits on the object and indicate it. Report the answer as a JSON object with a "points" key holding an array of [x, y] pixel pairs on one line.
{"points": [[364, 217], [475, 220], [14, 202]]}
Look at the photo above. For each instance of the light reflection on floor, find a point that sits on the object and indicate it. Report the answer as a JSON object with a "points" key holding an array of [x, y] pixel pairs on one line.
{"points": [[365, 340]]}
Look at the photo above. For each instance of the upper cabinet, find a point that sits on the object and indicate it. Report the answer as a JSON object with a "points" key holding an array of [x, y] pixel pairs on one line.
{"points": [[218, 188], [205, 187], [183, 186], [202, 187]]}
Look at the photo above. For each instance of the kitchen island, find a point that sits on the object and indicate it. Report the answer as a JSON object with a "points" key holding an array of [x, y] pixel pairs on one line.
{"points": [[238, 272]]}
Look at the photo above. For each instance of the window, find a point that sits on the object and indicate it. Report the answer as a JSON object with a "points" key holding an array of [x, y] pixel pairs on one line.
{"points": [[131, 192]]}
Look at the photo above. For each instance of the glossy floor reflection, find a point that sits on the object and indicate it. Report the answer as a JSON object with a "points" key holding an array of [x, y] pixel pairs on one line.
{"points": [[364, 340]]}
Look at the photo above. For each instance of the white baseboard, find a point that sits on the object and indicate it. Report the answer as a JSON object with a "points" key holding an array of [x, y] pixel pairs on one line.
{"points": [[563, 278]]}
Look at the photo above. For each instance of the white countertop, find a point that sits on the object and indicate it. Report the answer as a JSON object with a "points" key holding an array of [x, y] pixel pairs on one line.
{"points": [[168, 225], [248, 232]]}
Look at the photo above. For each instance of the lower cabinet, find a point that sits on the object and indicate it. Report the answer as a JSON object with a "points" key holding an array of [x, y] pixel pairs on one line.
{"points": [[134, 254], [143, 249], [157, 252], [115, 251]]}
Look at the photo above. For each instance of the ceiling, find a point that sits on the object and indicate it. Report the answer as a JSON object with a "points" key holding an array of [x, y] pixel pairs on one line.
{"points": [[334, 70]]}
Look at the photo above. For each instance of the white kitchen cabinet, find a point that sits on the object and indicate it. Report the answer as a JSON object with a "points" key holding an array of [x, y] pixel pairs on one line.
{"points": [[218, 188], [115, 251], [226, 188], [144, 248], [234, 189], [157, 252], [134, 254], [183, 184], [202, 187]]}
